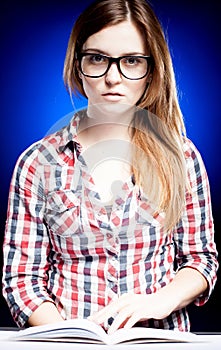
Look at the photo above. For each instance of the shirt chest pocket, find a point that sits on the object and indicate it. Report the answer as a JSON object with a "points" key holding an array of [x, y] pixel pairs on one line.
{"points": [[62, 213]]}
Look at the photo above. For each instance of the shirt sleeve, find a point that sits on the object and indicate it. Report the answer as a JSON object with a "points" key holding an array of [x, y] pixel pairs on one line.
{"points": [[194, 234], [26, 243]]}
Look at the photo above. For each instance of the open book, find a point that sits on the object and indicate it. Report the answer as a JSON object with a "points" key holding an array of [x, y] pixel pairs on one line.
{"points": [[85, 331]]}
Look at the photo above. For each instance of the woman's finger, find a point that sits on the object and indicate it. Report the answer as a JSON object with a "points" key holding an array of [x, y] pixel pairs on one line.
{"points": [[121, 319], [110, 310]]}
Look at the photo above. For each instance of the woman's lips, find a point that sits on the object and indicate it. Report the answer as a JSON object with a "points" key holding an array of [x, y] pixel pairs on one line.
{"points": [[112, 96]]}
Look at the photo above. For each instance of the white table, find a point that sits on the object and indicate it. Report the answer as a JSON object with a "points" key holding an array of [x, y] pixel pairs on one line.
{"points": [[210, 342]]}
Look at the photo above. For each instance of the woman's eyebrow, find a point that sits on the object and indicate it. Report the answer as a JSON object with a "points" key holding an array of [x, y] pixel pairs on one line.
{"points": [[94, 50]]}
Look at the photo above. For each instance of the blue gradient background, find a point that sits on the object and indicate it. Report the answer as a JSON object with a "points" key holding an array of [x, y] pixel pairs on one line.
{"points": [[33, 98]]}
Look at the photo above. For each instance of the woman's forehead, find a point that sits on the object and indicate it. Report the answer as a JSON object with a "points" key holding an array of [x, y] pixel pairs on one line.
{"points": [[121, 38]]}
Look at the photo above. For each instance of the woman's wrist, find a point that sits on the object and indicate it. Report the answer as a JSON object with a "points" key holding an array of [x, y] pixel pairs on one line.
{"points": [[44, 314], [187, 285]]}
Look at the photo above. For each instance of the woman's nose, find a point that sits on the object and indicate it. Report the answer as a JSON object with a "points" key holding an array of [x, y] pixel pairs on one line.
{"points": [[113, 76]]}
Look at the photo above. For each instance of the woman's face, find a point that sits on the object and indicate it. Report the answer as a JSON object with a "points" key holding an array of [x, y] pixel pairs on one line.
{"points": [[113, 88]]}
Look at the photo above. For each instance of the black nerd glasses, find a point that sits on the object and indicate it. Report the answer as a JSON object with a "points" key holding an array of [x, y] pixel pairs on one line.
{"points": [[95, 65]]}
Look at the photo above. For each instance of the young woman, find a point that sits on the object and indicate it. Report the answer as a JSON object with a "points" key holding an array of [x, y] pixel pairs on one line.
{"points": [[110, 218]]}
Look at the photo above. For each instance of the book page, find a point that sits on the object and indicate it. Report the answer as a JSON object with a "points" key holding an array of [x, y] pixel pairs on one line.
{"points": [[85, 331], [68, 329], [149, 335]]}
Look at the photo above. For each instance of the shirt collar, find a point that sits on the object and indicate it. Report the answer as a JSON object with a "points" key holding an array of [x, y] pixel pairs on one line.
{"points": [[69, 133]]}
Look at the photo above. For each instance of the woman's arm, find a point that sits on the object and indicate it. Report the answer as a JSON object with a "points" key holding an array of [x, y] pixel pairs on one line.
{"points": [[194, 234], [187, 285], [45, 313], [26, 244]]}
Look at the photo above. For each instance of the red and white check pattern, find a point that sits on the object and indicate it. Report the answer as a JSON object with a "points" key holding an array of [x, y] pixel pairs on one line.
{"points": [[61, 246]]}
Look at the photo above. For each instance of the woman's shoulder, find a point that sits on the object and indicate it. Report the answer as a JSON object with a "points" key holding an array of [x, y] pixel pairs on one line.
{"points": [[190, 149], [45, 150], [48, 147], [42, 146], [194, 160]]}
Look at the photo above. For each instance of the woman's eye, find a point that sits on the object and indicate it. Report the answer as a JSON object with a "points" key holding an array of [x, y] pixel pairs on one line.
{"points": [[97, 59], [132, 60]]}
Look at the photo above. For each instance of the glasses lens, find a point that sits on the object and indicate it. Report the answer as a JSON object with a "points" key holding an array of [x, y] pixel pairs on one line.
{"points": [[94, 65], [134, 67]]}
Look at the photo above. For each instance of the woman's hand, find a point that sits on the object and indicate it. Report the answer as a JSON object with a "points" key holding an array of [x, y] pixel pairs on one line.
{"points": [[131, 308], [128, 309]]}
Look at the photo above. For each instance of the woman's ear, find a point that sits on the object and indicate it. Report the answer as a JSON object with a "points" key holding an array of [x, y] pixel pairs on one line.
{"points": [[149, 79], [78, 70]]}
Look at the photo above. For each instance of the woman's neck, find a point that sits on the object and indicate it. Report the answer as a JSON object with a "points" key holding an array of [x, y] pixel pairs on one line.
{"points": [[102, 125]]}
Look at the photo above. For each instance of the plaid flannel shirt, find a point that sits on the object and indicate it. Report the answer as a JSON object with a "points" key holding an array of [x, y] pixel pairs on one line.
{"points": [[60, 245]]}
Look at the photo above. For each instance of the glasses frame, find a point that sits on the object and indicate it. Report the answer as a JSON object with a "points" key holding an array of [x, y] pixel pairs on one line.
{"points": [[114, 60]]}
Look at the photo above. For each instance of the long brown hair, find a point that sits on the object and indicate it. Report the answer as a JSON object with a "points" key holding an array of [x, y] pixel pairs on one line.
{"points": [[157, 131]]}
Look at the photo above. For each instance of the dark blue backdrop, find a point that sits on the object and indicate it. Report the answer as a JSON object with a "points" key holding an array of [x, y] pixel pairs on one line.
{"points": [[33, 46]]}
